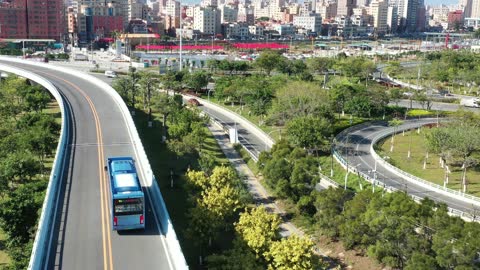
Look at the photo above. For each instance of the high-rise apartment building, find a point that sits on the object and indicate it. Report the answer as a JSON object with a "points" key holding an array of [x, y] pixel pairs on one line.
{"points": [[379, 12], [228, 13], [137, 10], [311, 22], [392, 19], [327, 9], [13, 20], [206, 20], [246, 14], [475, 12], [345, 7], [172, 8], [32, 19]]}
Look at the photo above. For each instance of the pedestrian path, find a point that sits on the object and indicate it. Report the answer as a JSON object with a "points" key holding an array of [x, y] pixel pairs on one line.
{"points": [[259, 193]]}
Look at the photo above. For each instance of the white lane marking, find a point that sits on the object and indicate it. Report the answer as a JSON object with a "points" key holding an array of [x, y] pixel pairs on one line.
{"points": [[418, 191]]}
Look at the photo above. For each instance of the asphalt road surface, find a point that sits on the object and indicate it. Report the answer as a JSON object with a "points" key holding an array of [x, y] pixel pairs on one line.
{"points": [[85, 239], [356, 149]]}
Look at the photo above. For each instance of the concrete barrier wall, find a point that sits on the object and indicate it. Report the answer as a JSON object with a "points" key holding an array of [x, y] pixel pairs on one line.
{"points": [[240, 119], [42, 243], [177, 258]]}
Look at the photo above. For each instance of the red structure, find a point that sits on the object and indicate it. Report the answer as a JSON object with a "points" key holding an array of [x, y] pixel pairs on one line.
{"points": [[37, 19], [259, 46], [106, 24], [455, 18], [177, 47], [12, 20]]}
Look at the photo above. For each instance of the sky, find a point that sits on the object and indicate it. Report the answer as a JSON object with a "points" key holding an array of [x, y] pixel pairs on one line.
{"points": [[438, 2]]}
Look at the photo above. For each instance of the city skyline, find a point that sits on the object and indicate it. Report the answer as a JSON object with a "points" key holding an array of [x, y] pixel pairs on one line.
{"points": [[428, 2]]}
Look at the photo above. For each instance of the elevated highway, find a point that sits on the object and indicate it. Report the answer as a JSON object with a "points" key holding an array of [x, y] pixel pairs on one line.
{"points": [[83, 237]]}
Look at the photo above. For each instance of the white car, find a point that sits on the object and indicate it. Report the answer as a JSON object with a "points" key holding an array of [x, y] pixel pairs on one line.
{"points": [[110, 74]]}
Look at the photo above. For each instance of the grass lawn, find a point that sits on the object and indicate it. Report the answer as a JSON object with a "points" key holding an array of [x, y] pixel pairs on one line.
{"points": [[4, 259], [162, 161], [433, 172]]}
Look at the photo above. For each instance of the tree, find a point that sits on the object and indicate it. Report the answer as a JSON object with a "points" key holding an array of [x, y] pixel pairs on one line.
{"points": [[393, 68], [292, 253], [240, 257], [203, 225], [35, 97], [421, 261], [396, 94], [308, 99], [268, 61], [147, 82], [19, 166], [258, 94], [330, 204], [391, 221], [458, 245], [165, 105], [258, 229], [18, 211], [134, 78], [221, 201], [359, 105], [122, 86], [395, 123], [342, 92], [319, 64], [309, 132], [197, 80], [354, 230], [206, 162]]}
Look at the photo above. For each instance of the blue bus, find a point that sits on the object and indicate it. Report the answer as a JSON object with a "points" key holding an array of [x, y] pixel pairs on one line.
{"points": [[127, 198]]}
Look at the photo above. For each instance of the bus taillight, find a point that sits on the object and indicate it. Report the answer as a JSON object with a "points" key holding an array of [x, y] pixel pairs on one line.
{"points": [[115, 221], [141, 219]]}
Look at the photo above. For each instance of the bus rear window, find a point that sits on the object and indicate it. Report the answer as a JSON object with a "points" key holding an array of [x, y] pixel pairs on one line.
{"points": [[132, 206]]}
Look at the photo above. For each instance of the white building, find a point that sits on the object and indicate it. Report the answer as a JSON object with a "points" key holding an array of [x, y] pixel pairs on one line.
{"points": [[237, 30], [172, 8], [312, 22], [285, 29], [256, 30], [228, 13], [209, 3], [137, 11], [206, 20]]}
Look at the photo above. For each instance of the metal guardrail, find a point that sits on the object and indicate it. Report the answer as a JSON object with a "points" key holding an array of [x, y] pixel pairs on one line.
{"points": [[158, 204], [222, 126], [247, 124], [42, 242], [369, 179], [413, 178], [160, 210]]}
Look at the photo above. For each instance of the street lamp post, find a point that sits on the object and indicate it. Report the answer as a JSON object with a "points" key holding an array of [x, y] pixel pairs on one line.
{"points": [[266, 143], [333, 151], [346, 159], [181, 34], [208, 94]]}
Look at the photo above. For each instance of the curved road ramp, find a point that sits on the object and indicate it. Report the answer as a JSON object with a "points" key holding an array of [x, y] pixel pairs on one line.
{"points": [[354, 150], [75, 226]]}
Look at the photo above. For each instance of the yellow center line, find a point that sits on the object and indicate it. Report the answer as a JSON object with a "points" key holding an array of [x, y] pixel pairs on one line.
{"points": [[104, 198]]}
